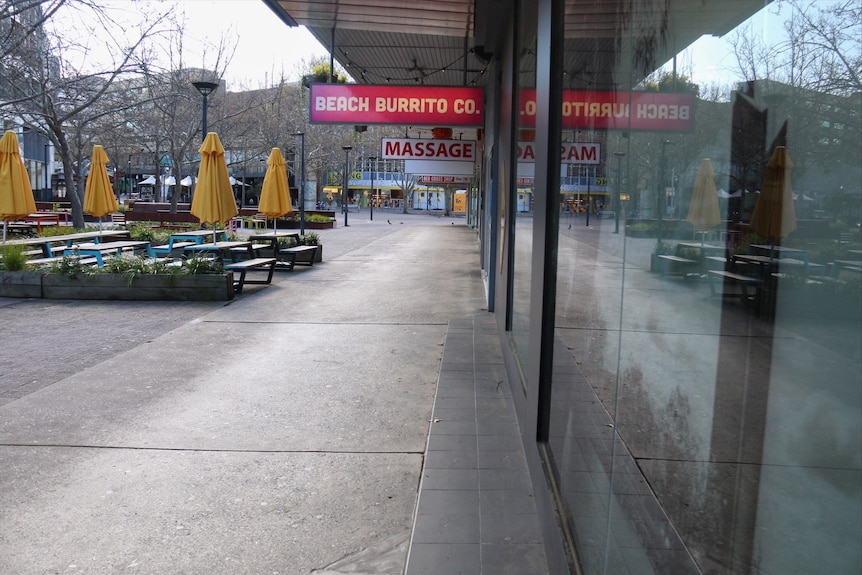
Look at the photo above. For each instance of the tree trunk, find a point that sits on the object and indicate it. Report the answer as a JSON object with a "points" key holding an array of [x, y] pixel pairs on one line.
{"points": [[72, 183]]}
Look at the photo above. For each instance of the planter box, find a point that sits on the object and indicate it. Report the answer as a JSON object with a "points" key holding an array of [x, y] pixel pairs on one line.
{"points": [[20, 284], [291, 225], [206, 287]]}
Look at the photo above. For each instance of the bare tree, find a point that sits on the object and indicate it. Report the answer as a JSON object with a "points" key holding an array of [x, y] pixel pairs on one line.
{"points": [[52, 95], [806, 87]]}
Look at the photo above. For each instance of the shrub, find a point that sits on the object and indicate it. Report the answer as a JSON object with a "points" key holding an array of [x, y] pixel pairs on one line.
{"points": [[14, 259], [72, 267], [310, 239]]}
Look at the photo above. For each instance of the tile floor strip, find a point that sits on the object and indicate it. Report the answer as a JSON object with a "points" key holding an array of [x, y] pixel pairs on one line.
{"points": [[475, 512]]}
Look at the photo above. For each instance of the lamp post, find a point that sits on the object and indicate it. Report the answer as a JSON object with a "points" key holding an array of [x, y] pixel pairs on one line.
{"points": [[661, 188], [129, 178], [346, 181], [619, 156], [47, 174], [301, 182], [205, 88], [373, 169]]}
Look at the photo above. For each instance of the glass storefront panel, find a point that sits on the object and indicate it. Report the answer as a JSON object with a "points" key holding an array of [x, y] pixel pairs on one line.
{"points": [[706, 406], [520, 199]]}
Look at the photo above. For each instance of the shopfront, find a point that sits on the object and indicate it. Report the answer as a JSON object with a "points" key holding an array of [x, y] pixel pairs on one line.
{"points": [[674, 429]]}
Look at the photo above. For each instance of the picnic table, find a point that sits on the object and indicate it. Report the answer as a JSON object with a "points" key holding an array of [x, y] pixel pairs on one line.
{"points": [[222, 249], [50, 243], [99, 250], [199, 236], [779, 252], [43, 218], [273, 237]]}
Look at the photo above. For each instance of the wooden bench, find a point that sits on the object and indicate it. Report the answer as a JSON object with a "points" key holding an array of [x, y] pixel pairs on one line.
{"points": [[298, 255], [743, 281], [258, 264], [676, 264]]}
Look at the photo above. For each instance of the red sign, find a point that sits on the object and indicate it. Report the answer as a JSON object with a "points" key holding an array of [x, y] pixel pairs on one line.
{"points": [[414, 149], [617, 110], [570, 153], [404, 105]]}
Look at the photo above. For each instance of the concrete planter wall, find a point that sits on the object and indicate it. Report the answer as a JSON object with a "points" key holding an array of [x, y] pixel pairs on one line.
{"points": [[205, 287], [20, 284]]}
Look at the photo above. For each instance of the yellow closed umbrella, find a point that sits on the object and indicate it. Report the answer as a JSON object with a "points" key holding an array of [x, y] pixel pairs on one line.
{"points": [[703, 212], [99, 197], [213, 201], [275, 195], [774, 215], [16, 195]]}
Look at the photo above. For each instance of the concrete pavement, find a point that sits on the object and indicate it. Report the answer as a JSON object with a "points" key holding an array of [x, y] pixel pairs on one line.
{"points": [[277, 433]]}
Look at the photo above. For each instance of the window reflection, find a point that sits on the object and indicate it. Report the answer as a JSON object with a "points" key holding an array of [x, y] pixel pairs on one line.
{"points": [[523, 189], [706, 406]]}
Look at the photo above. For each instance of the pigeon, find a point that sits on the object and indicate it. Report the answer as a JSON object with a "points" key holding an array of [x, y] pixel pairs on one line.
{"points": [[388, 222]]}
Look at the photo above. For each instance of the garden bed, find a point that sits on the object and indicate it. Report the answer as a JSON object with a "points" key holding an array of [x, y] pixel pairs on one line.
{"points": [[105, 286]]}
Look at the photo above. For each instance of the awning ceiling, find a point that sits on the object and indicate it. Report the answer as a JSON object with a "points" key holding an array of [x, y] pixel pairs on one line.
{"points": [[434, 42]]}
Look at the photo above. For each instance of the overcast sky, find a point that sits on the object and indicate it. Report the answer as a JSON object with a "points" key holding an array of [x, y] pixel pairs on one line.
{"points": [[265, 46]]}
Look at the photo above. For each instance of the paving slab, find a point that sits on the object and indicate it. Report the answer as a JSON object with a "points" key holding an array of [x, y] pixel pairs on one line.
{"points": [[281, 432]]}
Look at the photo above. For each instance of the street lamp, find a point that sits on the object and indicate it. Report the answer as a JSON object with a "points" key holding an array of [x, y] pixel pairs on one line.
{"points": [[129, 178], [619, 156], [205, 88], [373, 169], [345, 184], [662, 188], [301, 183]]}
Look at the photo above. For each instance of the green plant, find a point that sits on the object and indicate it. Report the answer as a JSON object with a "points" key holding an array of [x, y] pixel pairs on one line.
{"points": [[71, 266], [14, 259], [61, 231], [642, 228], [295, 217], [662, 248], [149, 234], [743, 246], [134, 266], [310, 239], [202, 265]]}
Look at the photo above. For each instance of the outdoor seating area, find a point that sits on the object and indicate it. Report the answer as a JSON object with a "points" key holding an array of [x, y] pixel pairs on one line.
{"points": [[755, 275]]}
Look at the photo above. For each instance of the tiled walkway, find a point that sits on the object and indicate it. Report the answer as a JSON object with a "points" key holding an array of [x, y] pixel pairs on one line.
{"points": [[476, 513]]}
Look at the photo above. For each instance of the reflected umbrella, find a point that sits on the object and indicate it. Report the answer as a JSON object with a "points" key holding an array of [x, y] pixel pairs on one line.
{"points": [[774, 216], [703, 213]]}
